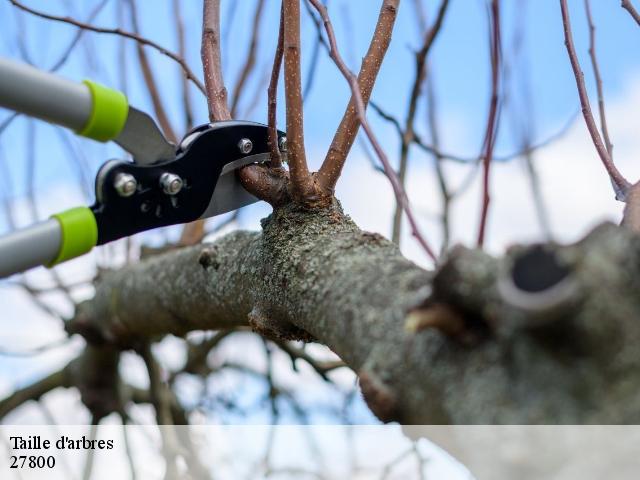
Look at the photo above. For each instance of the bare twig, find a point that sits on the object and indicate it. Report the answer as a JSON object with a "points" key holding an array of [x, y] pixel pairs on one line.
{"points": [[360, 109], [149, 79], [33, 391], [432, 149], [182, 51], [621, 184], [272, 107], [409, 126], [445, 194], [492, 119], [628, 6], [212, 62], [315, 53], [116, 31], [301, 182], [250, 60], [598, 77], [322, 368], [348, 130]]}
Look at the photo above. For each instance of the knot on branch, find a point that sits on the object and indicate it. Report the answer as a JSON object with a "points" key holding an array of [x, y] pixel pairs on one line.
{"points": [[380, 398], [539, 283], [208, 257], [270, 326]]}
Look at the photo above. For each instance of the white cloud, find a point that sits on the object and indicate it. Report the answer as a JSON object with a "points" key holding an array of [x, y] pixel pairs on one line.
{"points": [[576, 189]]}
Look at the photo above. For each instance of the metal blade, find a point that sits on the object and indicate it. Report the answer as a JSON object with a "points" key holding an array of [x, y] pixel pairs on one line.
{"points": [[229, 193], [143, 139]]}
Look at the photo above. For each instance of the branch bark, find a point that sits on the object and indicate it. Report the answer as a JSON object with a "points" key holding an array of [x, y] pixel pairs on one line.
{"points": [[212, 62], [521, 356], [302, 185], [350, 124]]}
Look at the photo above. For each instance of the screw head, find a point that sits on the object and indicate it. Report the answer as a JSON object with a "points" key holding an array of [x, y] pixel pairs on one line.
{"points": [[171, 183], [245, 145], [282, 144], [125, 184]]}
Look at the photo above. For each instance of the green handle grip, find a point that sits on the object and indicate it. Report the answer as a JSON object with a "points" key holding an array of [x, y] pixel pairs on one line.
{"points": [[108, 115], [79, 233]]}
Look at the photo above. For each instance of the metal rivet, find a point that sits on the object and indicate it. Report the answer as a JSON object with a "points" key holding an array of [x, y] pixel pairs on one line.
{"points": [[125, 184], [245, 145], [282, 144], [171, 183]]}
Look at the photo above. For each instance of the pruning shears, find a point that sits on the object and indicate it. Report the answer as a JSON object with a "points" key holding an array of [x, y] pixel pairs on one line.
{"points": [[163, 185]]}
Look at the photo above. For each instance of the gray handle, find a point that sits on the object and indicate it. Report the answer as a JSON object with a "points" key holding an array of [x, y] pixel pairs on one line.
{"points": [[30, 247], [43, 95]]}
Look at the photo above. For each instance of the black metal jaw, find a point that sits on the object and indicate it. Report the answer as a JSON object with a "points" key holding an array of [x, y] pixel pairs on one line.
{"points": [[199, 162]]}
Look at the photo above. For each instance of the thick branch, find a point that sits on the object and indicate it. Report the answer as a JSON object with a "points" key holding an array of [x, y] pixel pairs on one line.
{"points": [[565, 351]]}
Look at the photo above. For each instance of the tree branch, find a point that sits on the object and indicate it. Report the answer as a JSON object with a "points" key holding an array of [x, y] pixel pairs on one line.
{"points": [[500, 364], [492, 119], [116, 31], [416, 90], [598, 77], [212, 62], [34, 391], [301, 182], [621, 184], [360, 106], [272, 94], [149, 80], [250, 60], [348, 129], [628, 6]]}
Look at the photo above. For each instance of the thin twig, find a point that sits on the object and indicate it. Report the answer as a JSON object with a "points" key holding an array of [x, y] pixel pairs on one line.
{"points": [[116, 31], [445, 194], [621, 184], [182, 51], [272, 97], [492, 119], [409, 126], [250, 60], [360, 107], [149, 79], [432, 149], [598, 77]]}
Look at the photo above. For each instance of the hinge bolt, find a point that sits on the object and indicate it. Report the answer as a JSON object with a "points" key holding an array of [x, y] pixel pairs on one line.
{"points": [[171, 183], [282, 144], [245, 145], [125, 184]]}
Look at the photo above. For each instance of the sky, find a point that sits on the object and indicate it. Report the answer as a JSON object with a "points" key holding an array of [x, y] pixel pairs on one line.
{"points": [[576, 191]]}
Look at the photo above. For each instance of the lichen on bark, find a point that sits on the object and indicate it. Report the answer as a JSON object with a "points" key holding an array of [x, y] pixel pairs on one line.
{"points": [[315, 274]]}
